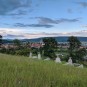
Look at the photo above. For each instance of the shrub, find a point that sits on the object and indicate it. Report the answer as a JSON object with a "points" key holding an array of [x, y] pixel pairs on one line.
{"points": [[24, 52]]}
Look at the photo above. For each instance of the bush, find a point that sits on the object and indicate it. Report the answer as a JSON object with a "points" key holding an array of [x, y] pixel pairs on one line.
{"points": [[50, 53], [7, 51], [24, 52], [2, 50]]}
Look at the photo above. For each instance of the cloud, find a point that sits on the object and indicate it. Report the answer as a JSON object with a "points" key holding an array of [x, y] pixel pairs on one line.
{"points": [[20, 12], [83, 4], [5, 31], [43, 34], [33, 25], [41, 25], [21, 25], [13, 36], [79, 33], [44, 20], [21, 34], [9, 5], [67, 20]]}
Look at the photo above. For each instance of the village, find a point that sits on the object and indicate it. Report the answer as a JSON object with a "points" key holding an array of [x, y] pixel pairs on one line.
{"points": [[40, 44]]}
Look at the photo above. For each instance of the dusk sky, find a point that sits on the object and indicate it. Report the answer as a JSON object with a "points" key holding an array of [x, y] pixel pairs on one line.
{"points": [[42, 18]]}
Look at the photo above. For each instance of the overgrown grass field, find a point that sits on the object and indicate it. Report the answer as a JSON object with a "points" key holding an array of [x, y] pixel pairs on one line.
{"points": [[17, 71]]}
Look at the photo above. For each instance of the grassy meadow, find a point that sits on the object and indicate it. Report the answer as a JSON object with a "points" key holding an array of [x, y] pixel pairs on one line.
{"points": [[17, 71]]}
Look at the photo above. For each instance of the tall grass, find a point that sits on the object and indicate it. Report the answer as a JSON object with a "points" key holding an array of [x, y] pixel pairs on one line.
{"points": [[17, 71]]}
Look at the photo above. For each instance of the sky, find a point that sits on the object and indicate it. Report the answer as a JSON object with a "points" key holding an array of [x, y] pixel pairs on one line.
{"points": [[26, 19]]}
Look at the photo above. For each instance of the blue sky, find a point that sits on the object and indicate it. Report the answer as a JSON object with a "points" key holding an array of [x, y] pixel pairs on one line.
{"points": [[42, 18]]}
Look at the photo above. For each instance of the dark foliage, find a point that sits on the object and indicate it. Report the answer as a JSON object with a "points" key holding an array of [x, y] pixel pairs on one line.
{"points": [[74, 49], [49, 47]]}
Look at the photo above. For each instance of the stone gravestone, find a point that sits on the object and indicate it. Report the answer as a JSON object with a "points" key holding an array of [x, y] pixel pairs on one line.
{"points": [[47, 59], [58, 60], [30, 56], [34, 57], [70, 61], [39, 56], [81, 66]]}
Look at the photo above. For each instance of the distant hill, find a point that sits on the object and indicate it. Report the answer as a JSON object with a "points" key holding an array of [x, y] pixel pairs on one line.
{"points": [[7, 41], [59, 39]]}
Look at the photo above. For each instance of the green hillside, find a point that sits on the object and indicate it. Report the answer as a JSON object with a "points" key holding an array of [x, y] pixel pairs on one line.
{"points": [[17, 71]]}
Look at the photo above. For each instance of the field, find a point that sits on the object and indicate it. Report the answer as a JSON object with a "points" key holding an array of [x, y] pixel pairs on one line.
{"points": [[17, 71]]}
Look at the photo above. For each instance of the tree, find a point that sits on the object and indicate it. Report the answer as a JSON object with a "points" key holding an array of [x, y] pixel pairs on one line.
{"points": [[17, 42], [74, 43], [81, 53], [74, 49], [0, 40], [49, 47]]}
